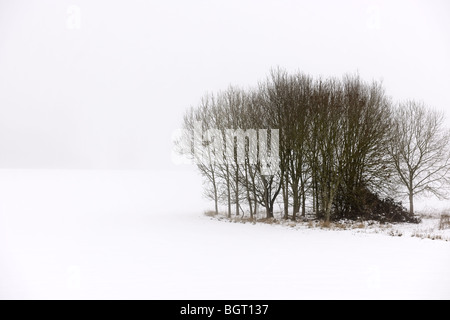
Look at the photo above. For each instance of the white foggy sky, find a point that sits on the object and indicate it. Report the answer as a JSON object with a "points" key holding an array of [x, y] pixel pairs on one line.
{"points": [[110, 94]]}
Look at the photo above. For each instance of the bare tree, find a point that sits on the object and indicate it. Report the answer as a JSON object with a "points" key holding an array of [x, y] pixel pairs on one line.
{"points": [[195, 145], [329, 121], [419, 150], [277, 91], [271, 163], [365, 130]]}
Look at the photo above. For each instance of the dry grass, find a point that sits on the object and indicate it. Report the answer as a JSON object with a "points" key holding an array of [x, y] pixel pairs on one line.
{"points": [[269, 221], [292, 224], [360, 226], [342, 225], [210, 213], [429, 234], [325, 224]]}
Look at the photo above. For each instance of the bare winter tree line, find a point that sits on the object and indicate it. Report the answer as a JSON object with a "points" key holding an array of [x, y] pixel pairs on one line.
{"points": [[344, 149]]}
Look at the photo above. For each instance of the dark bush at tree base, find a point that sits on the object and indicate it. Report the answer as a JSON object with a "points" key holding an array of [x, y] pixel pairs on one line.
{"points": [[386, 210]]}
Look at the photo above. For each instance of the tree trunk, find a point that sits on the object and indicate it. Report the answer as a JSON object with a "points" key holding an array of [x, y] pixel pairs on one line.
{"points": [[216, 196], [329, 203], [296, 200], [237, 190], [228, 192], [314, 198], [328, 211], [285, 199], [296, 206], [269, 211], [317, 197], [216, 199], [411, 195], [250, 205], [326, 206], [302, 187], [303, 201], [249, 200], [255, 198]]}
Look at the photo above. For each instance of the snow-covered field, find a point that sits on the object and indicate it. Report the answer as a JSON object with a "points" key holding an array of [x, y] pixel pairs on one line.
{"points": [[142, 235]]}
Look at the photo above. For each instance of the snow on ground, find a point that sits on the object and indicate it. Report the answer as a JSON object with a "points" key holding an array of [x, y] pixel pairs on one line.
{"points": [[142, 235]]}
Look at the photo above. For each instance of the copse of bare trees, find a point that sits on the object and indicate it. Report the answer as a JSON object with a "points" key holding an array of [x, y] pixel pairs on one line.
{"points": [[419, 150], [334, 146]]}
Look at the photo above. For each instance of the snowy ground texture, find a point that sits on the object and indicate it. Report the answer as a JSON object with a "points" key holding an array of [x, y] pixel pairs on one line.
{"points": [[135, 235]]}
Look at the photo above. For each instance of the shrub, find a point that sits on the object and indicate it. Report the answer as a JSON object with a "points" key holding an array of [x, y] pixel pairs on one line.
{"points": [[445, 222], [386, 210]]}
